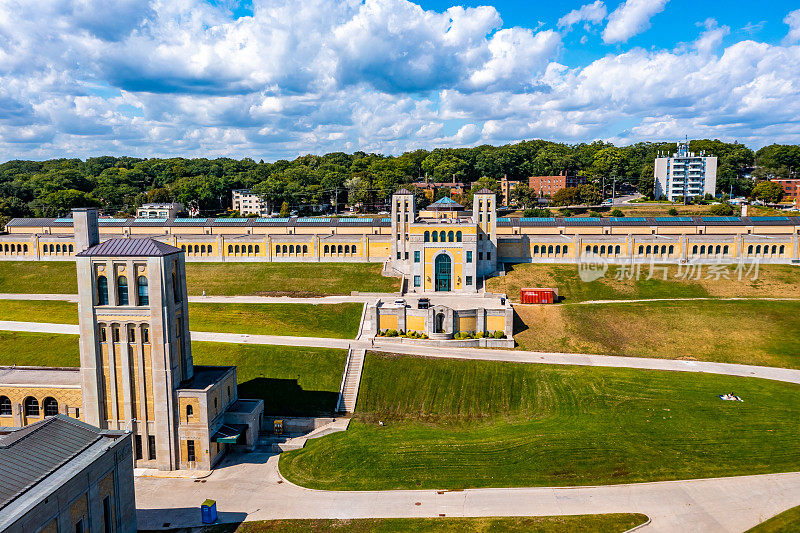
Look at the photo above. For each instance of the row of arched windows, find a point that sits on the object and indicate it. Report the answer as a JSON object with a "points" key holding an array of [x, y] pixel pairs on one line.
{"points": [[338, 250], [30, 406], [56, 249], [443, 236], [549, 250], [765, 250], [291, 249], [15, 248], [656, 249], [603, 249], [243, 249], [142, 297], [710, 250], [197, 249]]}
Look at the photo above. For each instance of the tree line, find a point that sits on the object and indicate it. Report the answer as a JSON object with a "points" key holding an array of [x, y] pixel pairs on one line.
{"points": [[117, 185]]}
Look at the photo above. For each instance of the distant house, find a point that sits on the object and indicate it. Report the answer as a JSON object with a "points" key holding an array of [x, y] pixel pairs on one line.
{"points": [[246, 202], [791, 190], [549, 185], [165, 210]]}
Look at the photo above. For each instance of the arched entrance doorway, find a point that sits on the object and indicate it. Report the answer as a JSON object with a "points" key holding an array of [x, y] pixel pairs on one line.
{"points": [[443, 271], [438, 326]]}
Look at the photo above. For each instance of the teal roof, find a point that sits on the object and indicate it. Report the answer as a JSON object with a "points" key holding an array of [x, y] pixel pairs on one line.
{"points": [[446, 202]]}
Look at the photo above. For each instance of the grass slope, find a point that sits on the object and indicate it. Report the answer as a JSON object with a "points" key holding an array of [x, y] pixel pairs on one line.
{"points": [[773, 281], [458, 424], [605, 523], [304, 320], [228, 279], [744, 332], [786, 522], [291, 380]]}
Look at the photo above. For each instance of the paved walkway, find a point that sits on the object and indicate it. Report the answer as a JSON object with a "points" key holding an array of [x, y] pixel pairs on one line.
{"points": [[514, 356], [250, 486]]}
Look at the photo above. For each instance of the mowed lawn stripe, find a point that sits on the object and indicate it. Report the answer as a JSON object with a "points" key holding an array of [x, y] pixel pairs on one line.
{"points": [[217, 279], [292, 381], [299, 320], [741, 332], [457, 424]]}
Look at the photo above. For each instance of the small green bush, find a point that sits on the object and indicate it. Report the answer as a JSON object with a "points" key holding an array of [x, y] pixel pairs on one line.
{"points": [[499, 335], [391, 333], [672, 212], [617, 212]]}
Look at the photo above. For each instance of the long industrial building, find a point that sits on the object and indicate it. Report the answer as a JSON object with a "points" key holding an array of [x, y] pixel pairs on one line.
{"points": [[381, 239]]}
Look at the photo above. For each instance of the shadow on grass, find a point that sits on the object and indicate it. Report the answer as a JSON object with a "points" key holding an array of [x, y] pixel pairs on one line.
{"points": [[519, 325], [285, 397]]}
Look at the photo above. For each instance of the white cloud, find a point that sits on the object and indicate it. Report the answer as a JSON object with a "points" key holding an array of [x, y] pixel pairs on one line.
{"points": [[631, 18], [710, 40], [793, 20], [592, 13]]}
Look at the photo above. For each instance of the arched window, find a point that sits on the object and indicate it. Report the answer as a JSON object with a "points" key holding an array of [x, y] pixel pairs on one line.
{"points": [[758, 249], [285, 249], [782, 249], [305, 248], [183, 247], [347, 248], [209, 248], [750, 249], [236, 248], [326, 249], [725, 249], [339, 249], [550, 249], [458, 236], [717, 250], [122, 290], [256, 248], [31, 406], [774, 249], [450, 236], [603, 250], [441, 236], [58, 248], [427, 236], [230, 249], [617, 250], [595, 250], [648, 250], [141, 291], [189, 411], [536, 250], [703, 249], [558, 249], [50, 406], [5, 406], [5, 247], [249, 248], [694, 249], [102, 290], [588, 248], [202, 248], [70, 248], [671, 249], [641, 249], [291, 248], [196, 249], [25, 248], [435, 236], [52, 248]]}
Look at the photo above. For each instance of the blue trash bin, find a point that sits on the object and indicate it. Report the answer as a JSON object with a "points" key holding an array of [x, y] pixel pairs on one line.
{"points": [[208, 512]]}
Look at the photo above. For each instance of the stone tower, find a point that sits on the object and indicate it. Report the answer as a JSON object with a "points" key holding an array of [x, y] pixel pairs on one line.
{"points": [[134, 344], [403, 215], [484, 214]]}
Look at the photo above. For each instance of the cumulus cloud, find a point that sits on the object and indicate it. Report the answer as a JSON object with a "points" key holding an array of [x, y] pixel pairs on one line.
{"points": [[631, 18], [793, 20], [187, 77], [591, 13]]}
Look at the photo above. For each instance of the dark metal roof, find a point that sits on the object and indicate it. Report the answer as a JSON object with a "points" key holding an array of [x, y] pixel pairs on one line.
{"points": [[129, 248], [650, 221], [30, 454]]}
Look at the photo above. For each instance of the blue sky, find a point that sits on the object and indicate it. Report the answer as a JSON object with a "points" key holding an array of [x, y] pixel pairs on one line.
{"points": [[278, 78]]}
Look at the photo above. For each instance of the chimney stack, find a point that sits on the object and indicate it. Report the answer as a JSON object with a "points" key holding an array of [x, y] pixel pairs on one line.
{"points": [[84, 222]]}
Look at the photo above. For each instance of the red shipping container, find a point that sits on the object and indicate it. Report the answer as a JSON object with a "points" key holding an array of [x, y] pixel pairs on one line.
{"points": [[538, 295]]}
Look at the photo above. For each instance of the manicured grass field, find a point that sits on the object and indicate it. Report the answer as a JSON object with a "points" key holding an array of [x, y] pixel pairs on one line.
{"points": [[786, 522], [605, 523], [291, 380], [453, 424], [303, 320], [773, 281], [228, 279], [744, 332]]}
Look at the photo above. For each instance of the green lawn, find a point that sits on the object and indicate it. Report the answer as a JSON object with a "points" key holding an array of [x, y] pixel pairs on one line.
{"points": [[786, 522], [291, 380], [605, 523], [773, 281], [292, 279], [300, 320], [744, 332], [453, 424]]}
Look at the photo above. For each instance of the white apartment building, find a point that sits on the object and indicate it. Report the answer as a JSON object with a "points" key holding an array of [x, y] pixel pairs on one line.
{"points": [[162, 210], [247, 202], [685, 174]]}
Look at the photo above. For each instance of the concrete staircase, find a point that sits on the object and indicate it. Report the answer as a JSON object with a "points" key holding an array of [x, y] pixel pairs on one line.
{"points": [[348, 391]]}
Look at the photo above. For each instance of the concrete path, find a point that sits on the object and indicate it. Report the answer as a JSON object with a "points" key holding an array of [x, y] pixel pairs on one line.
{"points": [[514, 356], [251, 487]]}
